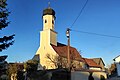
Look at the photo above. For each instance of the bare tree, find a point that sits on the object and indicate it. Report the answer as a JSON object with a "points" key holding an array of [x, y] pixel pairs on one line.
{"points": [[61, 61], [58, 61], [12, 71]]}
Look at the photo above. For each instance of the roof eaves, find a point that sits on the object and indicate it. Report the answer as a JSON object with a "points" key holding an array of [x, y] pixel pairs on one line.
{"points": [[116, 57]]}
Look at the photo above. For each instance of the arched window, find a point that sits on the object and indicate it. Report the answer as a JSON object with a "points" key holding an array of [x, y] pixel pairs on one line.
{"points": [[45, 21], [52, 21]]}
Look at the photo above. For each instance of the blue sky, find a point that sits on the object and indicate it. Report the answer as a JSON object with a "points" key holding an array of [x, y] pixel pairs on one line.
{"points": [[99, 16]]}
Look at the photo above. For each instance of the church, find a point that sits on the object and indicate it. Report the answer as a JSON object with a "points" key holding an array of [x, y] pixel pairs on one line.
{"points": [[49, 47]]}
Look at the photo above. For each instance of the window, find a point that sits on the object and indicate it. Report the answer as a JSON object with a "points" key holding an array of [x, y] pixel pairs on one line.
{"points": [[52, 21], [45, 21]]}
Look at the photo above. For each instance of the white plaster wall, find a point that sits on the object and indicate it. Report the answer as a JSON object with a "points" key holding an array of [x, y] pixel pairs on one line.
{"points": [[92, 68], [83, 75], [78, 75], [45, 48], [97, 75], [44, 61], [44, 38], [48, 24], [117, 59]]}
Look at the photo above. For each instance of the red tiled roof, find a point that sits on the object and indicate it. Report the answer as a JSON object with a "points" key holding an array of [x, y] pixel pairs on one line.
{"points": [[61, 50], [91, 63]]}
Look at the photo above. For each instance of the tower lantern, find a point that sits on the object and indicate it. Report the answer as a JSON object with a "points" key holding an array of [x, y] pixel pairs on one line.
{"points": [[48, 18]]}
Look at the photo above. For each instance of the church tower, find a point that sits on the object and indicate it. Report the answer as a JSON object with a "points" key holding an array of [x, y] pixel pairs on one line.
{"points": [[48, 37]]}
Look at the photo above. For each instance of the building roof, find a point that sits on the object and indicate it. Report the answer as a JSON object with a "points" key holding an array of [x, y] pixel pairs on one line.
{"points": [[61, 50], [48, 11], [98, 60], [91, 63], [2, 58], [36, 57], [116, 57]]}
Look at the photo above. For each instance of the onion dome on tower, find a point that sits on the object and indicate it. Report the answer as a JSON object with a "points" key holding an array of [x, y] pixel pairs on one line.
{"points": [[49, 11]]}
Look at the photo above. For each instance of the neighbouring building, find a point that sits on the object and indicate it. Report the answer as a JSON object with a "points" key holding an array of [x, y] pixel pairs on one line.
{"points": [[117, 62], [92, 68], [49, 44], [100, 62], [94, 65]]}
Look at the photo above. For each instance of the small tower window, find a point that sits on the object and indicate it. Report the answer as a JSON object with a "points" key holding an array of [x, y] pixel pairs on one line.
{"points": [[52, 21], [45, 21]]}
